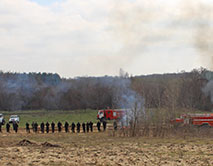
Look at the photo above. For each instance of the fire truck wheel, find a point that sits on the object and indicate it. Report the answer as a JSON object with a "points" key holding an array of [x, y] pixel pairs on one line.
{"points": [[205, 126]]}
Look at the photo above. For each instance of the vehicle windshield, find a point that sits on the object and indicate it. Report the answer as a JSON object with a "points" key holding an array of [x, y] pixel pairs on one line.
{"points": [[13, 116], [100, 112]]}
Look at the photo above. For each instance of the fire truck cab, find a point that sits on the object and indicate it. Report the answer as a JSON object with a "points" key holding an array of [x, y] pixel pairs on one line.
{"points": [[110, 114]]}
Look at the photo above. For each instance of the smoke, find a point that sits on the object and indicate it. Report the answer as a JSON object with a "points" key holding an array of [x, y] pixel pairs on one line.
{"points": [[208, 88], [132, 24], [197, 19], [18, 88], [134, 107], [49, 91], [126, 98], [203, 39], [22, 90], [200, 16]]}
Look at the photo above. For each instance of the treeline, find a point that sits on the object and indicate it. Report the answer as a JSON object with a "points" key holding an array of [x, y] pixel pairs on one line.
{"points": [[21, 91]]}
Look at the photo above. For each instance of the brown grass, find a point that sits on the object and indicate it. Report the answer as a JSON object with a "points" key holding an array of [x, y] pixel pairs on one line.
{"points": [[103, 149]]}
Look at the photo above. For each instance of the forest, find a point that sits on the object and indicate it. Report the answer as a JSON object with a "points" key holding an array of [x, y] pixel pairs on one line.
{"points": [[49, 91]]}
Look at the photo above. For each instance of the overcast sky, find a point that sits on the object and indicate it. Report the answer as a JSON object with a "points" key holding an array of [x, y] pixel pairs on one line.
{"points": [[98, 37]]}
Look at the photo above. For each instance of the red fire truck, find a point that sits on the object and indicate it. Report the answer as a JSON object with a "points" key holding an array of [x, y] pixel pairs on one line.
{"points": [[111, 114], [195, 119]]}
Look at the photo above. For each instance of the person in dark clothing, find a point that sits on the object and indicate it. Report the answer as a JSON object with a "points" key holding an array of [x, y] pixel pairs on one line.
{"points": [[84, 127], [99, 126], [47, 127], [42, 127], [66, 126], [78, 127], [59, 126], [91, 126], [115, 125], [104, 125], [73, 127], [53, 127], [36, 127], [16, 127], [27, 128], [8, 127], [88, 125], [33, 126]]}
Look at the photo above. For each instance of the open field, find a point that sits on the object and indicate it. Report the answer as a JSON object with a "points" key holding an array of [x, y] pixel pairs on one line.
{"points": [[55, 116], [186, 147], [102, 149]]}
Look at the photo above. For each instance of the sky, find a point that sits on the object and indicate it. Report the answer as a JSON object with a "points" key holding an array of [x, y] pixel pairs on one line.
{"points": [[96, 38]]}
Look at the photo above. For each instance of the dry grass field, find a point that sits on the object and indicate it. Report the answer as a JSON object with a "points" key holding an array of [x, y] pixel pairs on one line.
{"points": [[102, 149]]}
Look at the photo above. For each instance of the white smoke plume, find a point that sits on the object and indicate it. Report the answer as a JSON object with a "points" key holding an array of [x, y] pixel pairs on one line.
{"points": [[200, 15], [133, 25], [129, 100], [208, 88], [196, 17]]}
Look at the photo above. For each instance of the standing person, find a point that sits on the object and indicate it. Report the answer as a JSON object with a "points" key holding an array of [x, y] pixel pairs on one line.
{"points": [[47, 127], [42, 127], [59, 126], [84, 127], [36, 127], [73, 127], [115, 125], [33, 126], [66, 126], [16, 127], [88, 125], [99, 126], [78, 127], [91, 126], [27, 128], [8, 127], [104, 125], [53, 127]]}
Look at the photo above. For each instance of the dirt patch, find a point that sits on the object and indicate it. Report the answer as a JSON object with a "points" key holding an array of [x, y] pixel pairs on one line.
{"points": [[26, 142], [47, 144], [102, 150]]}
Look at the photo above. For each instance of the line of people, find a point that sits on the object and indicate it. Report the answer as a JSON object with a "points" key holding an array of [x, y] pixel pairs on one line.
{"points": [[45, 127], [14, 125]]}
